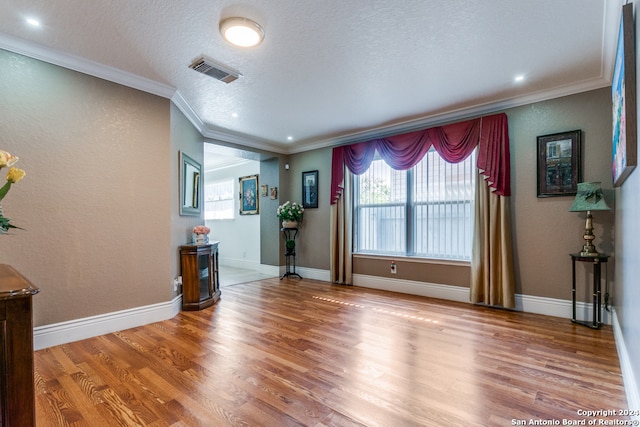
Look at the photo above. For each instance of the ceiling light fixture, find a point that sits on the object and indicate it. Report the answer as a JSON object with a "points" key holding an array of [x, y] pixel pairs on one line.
{"points": [[241, 32], [519, 78], [33, 22]]}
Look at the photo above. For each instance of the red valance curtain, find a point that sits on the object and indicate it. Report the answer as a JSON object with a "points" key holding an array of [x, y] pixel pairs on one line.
{"points": [[453, 142]]}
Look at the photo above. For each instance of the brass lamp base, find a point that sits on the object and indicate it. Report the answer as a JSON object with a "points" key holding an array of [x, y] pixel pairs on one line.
{"points": [[588, 249], [588, 252]]}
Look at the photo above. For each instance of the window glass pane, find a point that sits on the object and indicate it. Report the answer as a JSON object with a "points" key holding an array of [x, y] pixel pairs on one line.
{"points": [[219, 200], [443, 205], [424, 212], [382, 194]]}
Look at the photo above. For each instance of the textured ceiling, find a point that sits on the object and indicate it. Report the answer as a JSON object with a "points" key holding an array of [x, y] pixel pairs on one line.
{"points": [[330, 71]]}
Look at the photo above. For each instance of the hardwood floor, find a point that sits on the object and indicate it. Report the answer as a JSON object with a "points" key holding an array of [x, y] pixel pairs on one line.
{"points": [[306, 353]]}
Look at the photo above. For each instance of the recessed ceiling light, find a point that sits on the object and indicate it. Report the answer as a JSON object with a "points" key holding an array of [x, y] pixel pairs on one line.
{"points": [[519, 78], [234, 115], [241, 32], [33, 22], [289, 138]]}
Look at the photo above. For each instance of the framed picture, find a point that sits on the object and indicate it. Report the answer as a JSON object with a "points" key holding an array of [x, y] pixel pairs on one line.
{"points": [[249, 195], [264, 190], [623, 94], [559, 164], [274, 193], [310, 189], [190, 194]]}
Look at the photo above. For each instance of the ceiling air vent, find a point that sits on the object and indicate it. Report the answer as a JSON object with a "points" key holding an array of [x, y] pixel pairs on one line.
{"points": [[213, 69]]}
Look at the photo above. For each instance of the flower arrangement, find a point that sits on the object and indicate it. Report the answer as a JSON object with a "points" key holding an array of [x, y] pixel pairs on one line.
{"points": [[14, 175], [201, 229], [290, 211]]}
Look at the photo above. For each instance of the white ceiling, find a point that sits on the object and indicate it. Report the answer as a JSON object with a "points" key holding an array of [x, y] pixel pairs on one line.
{"points": [[329, 71]]}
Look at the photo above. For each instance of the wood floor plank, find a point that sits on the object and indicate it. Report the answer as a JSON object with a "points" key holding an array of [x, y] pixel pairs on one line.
{"points": [[308, 353]]}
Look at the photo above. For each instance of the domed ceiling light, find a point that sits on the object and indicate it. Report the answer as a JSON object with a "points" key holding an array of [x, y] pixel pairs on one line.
{"points": [[241, 32]]}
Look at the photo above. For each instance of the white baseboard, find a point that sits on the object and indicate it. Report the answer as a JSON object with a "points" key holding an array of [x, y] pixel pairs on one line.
{"points": [[628, 377], [310, 273], [88, 327], [526, 303], [269, 270], [432, 290]]}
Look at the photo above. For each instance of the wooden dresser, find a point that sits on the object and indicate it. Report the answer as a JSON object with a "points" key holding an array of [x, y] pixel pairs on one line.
{"points": [[17, 398]]}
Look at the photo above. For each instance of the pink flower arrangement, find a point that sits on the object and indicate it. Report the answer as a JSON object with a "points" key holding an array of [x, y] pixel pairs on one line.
{"points": [[201, 229]]}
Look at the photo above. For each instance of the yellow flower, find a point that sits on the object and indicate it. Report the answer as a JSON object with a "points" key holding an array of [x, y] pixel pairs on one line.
{"points": [[7, 159], [14, 175]]}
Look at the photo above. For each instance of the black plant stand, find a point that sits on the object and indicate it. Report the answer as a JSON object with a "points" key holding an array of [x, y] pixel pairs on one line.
{"points": [[290, 234]]}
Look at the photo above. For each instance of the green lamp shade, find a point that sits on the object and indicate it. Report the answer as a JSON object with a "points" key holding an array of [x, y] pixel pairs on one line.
{"points": [[589, 197]]}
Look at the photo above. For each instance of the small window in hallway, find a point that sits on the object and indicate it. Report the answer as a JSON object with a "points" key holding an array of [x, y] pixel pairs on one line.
{"points": [[219, 200]]}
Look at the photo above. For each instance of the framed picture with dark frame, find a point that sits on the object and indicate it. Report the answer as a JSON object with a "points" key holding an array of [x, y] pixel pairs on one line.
{"points": [[623, 94], [559, 164], [249, 201], [190, 186], [310, 189]]}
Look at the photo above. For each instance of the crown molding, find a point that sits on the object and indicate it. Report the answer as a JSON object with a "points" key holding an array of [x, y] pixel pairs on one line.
{"points": [[85, 66], [222, 135]]}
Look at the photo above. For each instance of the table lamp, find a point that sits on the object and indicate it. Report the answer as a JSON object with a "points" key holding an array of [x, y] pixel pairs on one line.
{"points": [[589, 197]]}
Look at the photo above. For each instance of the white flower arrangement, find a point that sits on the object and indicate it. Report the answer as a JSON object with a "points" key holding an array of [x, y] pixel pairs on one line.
{"points": [[290, 211]]}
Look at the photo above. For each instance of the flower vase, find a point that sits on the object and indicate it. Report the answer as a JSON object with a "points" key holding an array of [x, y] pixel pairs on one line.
{"points": [[201, 239], [289, 224]]}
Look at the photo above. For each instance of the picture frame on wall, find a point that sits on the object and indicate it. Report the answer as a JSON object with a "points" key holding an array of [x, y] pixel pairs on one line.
{"points": [[190, 192], [623, 95], [310, 189], [559, 164], [249, 200]]}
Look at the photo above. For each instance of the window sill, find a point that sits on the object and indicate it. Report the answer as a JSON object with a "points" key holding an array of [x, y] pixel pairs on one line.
{"points": [[416, 260]]}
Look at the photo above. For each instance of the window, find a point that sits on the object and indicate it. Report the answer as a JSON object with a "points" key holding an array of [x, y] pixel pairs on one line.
{"points": [[219, 200], [426, 211]]}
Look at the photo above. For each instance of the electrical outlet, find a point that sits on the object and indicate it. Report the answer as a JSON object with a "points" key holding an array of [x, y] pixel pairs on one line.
{"points": [[394, 268]]}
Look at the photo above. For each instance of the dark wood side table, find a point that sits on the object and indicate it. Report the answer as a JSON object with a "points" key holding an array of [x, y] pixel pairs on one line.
{"points": [[17, 392], [596, 261], [200, 276]]}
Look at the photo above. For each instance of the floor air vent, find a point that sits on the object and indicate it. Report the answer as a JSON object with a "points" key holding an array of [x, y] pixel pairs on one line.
{"points": [[213, 69]]}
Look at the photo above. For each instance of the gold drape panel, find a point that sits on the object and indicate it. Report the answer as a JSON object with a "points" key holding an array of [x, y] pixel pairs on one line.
{"points": [[341, 235], [492, 276]]}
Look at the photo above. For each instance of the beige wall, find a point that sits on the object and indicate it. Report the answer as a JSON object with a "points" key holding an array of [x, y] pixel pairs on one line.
{"points": [[452, 274], [95, 204], [312, 249], [544, 231]]}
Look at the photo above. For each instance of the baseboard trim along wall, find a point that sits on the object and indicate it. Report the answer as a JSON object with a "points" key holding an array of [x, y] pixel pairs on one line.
{"points": [[310, 273], [88, 327], [628, 376], [527, 303]]}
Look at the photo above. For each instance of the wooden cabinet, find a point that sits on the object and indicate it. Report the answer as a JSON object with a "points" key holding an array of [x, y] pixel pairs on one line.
{"points": [[17, 394], [200, 281]]}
